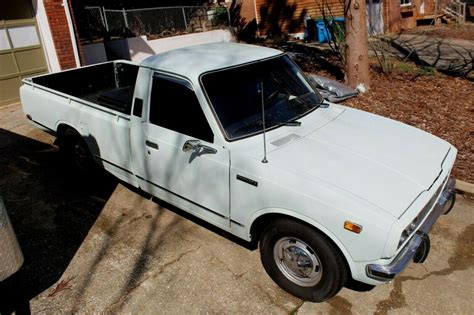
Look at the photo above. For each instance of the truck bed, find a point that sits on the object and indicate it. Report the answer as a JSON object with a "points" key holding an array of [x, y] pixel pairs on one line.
{"points": [[108, 84], [59, 98]]}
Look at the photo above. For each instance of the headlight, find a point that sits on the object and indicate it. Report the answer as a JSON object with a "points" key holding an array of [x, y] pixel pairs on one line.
{"points": [[423, 213], [408, 231]]}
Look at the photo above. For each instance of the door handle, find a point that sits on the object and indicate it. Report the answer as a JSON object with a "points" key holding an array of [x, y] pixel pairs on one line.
{"points": [[152, 144]]}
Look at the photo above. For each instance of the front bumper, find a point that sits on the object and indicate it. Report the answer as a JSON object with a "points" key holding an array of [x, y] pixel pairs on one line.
{"points": [[418, 247]]}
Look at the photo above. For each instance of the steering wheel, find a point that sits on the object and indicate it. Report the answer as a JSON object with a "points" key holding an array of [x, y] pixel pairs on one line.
{"points": [[276, 92]]}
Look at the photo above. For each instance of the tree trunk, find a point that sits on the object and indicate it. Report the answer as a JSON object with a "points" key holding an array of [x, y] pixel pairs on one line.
{"points": [[357, 59]]}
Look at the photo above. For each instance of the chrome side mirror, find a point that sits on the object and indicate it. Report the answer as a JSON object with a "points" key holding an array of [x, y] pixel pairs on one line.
{"points": [[191, 145], [198, 147]]}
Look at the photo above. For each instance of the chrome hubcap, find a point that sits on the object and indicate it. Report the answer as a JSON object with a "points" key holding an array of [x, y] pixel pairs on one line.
{"points": [[297, 261]]}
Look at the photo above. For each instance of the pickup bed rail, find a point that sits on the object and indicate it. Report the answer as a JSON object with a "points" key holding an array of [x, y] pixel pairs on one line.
{"points": [[109, 84]]}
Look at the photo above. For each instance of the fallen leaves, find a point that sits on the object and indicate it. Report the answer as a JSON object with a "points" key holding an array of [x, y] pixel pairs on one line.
{"points": [[61, 286], [424, 98], [439, 104]]}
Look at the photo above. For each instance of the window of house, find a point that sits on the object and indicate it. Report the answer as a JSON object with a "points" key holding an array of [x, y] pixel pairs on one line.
{"points": [[174, 106], [405, 2]]}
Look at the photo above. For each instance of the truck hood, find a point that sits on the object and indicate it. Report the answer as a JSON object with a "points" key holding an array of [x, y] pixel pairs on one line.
{"points": [[382, 161]]}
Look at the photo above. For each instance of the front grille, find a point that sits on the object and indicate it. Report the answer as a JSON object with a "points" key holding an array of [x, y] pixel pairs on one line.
{"points": [[426, 209]]}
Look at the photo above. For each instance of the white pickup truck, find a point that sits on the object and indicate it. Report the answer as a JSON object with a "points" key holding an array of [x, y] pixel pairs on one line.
{"points": [[238, 136]]}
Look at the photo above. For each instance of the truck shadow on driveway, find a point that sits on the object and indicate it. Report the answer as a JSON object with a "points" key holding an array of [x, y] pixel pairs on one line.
{"points": [[51, 212]]}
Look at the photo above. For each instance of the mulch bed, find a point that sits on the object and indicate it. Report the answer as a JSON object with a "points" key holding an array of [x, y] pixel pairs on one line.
{"points": [[437, 103]]}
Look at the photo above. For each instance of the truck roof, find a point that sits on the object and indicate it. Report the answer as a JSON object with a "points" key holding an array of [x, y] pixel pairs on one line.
{"points": [[192, 61]]}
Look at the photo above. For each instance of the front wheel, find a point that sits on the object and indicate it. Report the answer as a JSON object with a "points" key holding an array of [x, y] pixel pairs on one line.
{"points": [[302, 261]]}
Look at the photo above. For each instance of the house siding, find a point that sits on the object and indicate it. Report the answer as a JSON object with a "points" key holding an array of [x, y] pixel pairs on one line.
{"points": [[301, 8], [397, 18], [247, 10]]}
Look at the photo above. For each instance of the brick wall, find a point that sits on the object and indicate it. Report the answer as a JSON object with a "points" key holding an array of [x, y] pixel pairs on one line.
{"points": [[76, 33], [60, 32], [392, 17]]}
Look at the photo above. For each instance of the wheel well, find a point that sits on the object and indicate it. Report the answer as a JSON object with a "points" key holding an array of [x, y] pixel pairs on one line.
{"points": [[64, 130], [259, 225]]}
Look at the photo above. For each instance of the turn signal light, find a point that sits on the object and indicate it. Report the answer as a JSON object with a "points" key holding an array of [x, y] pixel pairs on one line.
{"points": [[356, 228]]}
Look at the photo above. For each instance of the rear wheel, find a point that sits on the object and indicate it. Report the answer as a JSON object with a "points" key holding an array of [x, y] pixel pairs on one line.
{"points": [[75, 152], [302, 261]]}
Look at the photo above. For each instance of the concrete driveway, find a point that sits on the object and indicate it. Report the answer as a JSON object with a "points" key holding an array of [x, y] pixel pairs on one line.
{"points": [[95, 246], [451, 55]]}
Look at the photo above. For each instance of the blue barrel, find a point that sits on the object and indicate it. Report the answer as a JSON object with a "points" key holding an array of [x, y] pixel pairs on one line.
{"points": [[324, 35]]}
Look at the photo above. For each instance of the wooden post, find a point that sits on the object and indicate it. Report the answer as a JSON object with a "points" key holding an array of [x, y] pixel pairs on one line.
{"points": [[357, 49]]}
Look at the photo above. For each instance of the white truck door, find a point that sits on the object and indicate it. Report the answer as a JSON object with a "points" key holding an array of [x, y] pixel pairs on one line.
{"points": [[180, 163]]}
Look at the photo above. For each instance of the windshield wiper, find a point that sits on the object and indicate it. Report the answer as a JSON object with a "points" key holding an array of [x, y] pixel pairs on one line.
{"points": [[322, 105], [258, 123], [255, 124], [291, 123]]}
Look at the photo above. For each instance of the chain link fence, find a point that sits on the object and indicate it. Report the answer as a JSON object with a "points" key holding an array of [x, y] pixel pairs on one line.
{"points": [[153, 22], [94, 24]]}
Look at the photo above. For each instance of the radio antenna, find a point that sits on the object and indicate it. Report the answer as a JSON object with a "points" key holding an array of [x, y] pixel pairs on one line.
{"points": [[263, 123]]}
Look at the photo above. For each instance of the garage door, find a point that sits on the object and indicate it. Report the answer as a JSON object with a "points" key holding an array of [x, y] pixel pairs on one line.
{"points": [[21, 55]]}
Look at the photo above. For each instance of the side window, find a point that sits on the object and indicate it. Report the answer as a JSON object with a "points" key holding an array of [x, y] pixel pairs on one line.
{"points": [[174, 105]]}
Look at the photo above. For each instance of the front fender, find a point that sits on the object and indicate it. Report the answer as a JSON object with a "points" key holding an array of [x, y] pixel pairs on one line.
{"points": [[324, 206], [308, 220]]}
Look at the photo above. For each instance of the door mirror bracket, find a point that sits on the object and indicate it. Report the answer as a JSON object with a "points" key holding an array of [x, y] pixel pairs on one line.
{"points": [[197, 147]]}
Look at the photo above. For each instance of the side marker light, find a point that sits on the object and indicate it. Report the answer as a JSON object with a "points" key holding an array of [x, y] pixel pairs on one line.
{"points": [[350, 226]]}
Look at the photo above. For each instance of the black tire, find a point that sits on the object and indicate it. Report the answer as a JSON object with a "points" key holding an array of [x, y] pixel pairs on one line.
{"points": [[358, 286], [75, 153], [320, 261]]}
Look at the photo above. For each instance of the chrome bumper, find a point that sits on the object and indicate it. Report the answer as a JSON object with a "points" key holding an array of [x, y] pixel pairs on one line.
{"points": [[418, 247]]}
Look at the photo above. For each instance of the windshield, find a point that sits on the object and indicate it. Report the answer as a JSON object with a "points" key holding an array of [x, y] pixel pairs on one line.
{"points": [[236, 96]]}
